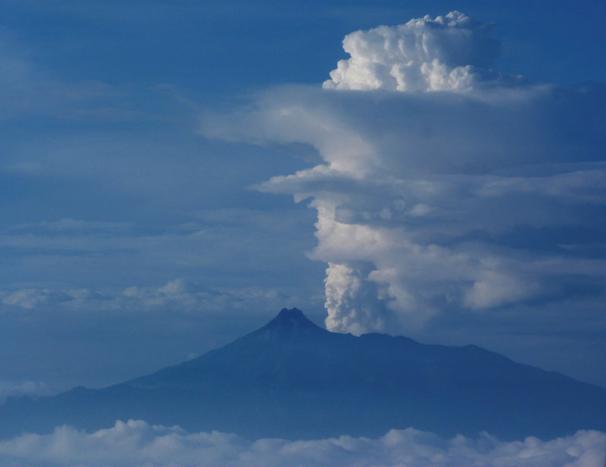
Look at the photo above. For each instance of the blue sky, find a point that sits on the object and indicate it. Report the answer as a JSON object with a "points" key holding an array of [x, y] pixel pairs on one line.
{"points": [[131, 229]]}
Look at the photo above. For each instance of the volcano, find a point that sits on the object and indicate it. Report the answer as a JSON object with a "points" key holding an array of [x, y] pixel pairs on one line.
{"points": [[293, 379]]}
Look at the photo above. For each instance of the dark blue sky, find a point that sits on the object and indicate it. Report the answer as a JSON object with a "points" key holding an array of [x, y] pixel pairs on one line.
{"points": [[130, 239]]}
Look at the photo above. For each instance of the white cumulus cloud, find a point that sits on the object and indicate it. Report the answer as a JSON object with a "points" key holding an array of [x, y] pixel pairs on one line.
{"points": [[445, 53]]}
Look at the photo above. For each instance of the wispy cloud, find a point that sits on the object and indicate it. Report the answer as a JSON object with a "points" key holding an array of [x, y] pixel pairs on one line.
{"points": [[177, 295], [23, 388]]}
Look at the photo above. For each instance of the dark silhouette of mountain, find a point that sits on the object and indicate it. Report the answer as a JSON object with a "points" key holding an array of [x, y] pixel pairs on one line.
{"points": [[293, 379]]}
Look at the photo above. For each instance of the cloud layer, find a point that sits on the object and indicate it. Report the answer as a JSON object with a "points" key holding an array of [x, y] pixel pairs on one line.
{"points": [[432, 202], [177, 295], [136, 443]]}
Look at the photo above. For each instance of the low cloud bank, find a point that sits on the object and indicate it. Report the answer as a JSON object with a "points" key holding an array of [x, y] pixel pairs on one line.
{"points": [[136, 443]]}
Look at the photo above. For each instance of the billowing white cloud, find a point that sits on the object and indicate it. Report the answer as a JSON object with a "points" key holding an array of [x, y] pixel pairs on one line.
{"points": [[136, 443], [445, 53], [432, 202]]}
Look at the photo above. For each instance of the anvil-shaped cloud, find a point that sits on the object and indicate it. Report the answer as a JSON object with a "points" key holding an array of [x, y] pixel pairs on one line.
{"points": [[444, 186]]}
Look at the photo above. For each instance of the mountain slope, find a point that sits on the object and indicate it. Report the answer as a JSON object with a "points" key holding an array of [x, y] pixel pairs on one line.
{"points": [[293, 379]]}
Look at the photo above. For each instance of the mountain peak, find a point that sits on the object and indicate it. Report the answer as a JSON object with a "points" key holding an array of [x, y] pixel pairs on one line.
{"points": [[291, 320], [291, 314], [290, 317]]}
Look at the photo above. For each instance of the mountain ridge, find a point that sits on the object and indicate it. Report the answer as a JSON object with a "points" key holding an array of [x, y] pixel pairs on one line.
{"points": [[294, 379]]}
